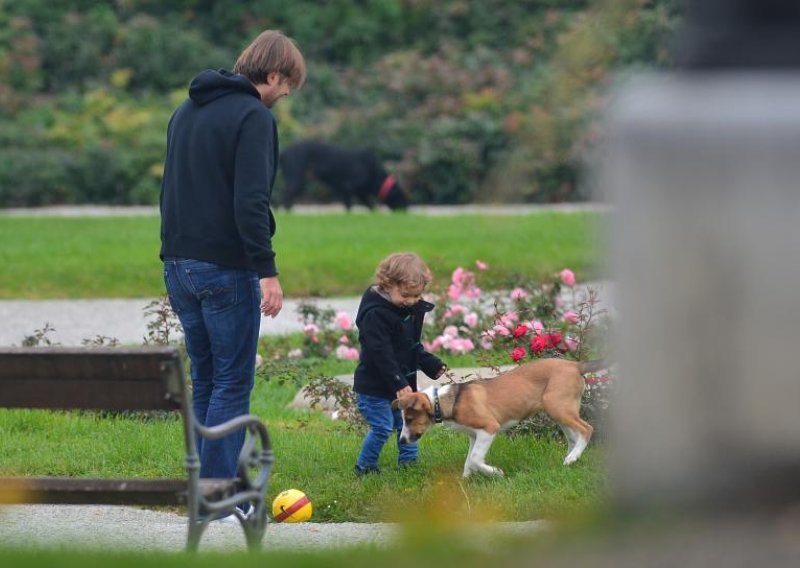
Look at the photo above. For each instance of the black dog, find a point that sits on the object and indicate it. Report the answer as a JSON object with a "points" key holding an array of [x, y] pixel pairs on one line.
{"points": [[351, 172]]}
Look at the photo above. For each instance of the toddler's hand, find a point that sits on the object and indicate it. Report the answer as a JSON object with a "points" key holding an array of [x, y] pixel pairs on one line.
{"points": [[403, 391]]}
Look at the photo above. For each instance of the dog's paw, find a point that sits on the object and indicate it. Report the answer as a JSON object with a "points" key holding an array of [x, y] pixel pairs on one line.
{"points": [[498, 472], [570, 460]]}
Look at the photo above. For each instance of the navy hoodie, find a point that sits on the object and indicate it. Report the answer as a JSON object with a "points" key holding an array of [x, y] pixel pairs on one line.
{"points": [[222, 151], [391, 351]]}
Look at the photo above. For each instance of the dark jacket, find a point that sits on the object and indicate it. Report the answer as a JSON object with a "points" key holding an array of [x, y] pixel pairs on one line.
{"points": [[391, 351], [222, 151]]}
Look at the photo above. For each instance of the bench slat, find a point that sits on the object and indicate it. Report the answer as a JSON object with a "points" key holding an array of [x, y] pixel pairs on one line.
{"points": [[77, 491], [89, 379]]}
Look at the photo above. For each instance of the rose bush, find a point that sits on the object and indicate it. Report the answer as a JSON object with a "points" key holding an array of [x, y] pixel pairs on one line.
{"points": [[547, 319], [326, 333]]}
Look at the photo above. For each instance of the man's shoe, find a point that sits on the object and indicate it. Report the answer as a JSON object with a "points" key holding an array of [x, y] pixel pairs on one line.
{"points": [[232, 519]]}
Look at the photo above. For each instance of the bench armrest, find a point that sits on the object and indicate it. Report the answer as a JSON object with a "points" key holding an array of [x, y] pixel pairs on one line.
{"points": [[256, 454]]}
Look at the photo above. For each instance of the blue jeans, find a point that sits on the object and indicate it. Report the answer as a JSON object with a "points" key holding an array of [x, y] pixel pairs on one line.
{"points": [[218, 308], [382, 420]]}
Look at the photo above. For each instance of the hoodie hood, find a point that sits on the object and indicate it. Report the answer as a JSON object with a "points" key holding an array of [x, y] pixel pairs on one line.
{"points": [[372, 299], [210, 85]]}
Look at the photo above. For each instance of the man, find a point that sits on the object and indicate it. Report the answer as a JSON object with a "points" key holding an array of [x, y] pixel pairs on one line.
{"points": [[217, 227]]}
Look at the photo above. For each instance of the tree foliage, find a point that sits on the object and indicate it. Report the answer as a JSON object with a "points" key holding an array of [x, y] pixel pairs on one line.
{"points": [[464, 99]]}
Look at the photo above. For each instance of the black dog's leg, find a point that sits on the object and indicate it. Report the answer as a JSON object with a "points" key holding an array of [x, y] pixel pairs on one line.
{"points": [[348, 201], [366, 199], [294, 178], [344, 189]]}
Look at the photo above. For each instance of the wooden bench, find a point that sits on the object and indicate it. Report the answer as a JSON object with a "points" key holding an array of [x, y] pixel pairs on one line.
{"points": [[134, 379]]}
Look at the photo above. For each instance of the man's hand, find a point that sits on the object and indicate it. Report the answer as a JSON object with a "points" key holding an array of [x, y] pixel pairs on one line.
{"points": [[403, 391], [271, 296]]}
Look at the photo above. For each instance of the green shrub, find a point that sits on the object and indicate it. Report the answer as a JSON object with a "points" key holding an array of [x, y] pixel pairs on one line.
{"points": [[165, 55], [464, 100], [31, 177], [77, 48]]}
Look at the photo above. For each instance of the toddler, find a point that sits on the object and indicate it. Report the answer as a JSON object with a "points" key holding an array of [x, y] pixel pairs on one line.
{"points": [[389, 324]]}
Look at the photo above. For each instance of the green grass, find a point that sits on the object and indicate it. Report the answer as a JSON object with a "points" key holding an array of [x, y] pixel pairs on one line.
{"points": [[317, 456], [318, 255]]}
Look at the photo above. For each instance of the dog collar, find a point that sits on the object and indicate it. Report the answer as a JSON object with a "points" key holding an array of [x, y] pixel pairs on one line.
{"points": [[386, 187], [437, 407]]}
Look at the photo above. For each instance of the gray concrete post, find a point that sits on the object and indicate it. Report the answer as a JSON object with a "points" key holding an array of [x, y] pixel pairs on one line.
{"points": [[703, 171]]}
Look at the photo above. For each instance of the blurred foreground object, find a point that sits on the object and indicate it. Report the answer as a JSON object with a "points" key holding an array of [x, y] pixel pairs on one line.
{"points": [[703, 170]]}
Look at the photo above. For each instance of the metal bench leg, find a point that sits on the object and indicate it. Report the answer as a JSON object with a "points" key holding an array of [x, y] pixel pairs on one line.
{"points": [[196, 530], [255, 526]]}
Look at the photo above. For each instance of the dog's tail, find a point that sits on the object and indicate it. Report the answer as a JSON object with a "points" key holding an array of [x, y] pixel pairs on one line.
{"points": [[592, 366]]}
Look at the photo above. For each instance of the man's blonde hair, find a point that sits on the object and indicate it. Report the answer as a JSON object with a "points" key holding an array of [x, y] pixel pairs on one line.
{"points": [[404, 270], [272, 51]]}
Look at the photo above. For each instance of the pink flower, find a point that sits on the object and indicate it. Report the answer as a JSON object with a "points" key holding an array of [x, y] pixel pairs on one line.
{"points": [[463, 282], [311, 329], [347, 353], [473, 292], [508, 319], [450, 331], [481, 265], [571, 317], [567, 277], [344, 340], [537, 327], [486, 342], [502, 330], [471, 319], [518, 294], [520, 331], [461, 345], [343, 321], [454, 292], [572, 344], [518, 354], [456, 309]]}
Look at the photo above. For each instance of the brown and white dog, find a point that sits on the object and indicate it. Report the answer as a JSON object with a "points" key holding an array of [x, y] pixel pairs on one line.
{"points": [[483, 408]]}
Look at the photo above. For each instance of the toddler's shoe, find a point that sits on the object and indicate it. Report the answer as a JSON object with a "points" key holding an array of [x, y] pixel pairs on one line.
{"points": [[364, 470]]}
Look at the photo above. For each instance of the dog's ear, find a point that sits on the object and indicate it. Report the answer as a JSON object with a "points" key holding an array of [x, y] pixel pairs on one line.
{"points": [[402, 401]]}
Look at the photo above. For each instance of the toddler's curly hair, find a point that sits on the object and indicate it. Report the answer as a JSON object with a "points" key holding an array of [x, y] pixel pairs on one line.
{"points": [[404, 270]]}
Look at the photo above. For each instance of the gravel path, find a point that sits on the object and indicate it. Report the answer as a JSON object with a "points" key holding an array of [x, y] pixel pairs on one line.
{"points": [[92, 527], [131, 528], [74, 321], [124, 320]]}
